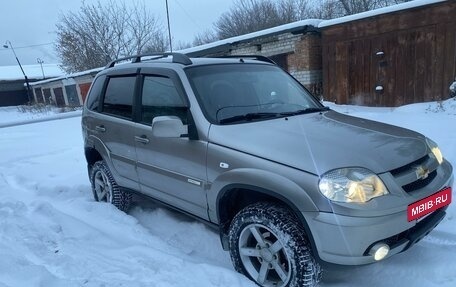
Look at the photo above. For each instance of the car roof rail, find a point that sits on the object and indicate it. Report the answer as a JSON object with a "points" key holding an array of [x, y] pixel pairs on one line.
{"points": [[254, 57], [177, 58]]}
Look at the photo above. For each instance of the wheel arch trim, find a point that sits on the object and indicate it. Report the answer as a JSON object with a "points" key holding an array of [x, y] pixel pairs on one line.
{"points": [[246, 182], [98, 145], [262, 181]]}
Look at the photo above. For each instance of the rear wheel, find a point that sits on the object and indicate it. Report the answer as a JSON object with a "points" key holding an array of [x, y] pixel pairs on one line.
{"points": [[105, 188], [268, 245]]}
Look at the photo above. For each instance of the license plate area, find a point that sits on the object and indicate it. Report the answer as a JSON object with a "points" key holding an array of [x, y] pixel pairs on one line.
{"points": [[429, 204]]}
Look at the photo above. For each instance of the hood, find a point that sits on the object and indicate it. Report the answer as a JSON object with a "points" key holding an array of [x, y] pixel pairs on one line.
{"points": [[320, 142]]}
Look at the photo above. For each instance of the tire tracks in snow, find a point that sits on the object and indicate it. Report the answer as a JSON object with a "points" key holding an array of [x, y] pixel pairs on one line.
{"points": [[441, 238]]}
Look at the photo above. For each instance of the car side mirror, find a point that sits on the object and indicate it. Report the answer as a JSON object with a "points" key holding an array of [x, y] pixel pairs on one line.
{"points": [[168, 127]]}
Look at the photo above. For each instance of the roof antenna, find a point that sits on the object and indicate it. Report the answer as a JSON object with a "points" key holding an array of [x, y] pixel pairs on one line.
{"points": [[169, 28]]}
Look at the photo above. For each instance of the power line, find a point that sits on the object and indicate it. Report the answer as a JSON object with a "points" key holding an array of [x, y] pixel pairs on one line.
{"points": [[29, 46], [188, 15]]}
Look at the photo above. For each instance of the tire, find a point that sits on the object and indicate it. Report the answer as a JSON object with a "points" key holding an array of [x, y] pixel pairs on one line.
{"points": [[105, 188], [268, 245]]}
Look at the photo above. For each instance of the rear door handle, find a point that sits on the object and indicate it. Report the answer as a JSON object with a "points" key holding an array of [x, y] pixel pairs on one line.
{"points": [[142, 139], [100, 128]]}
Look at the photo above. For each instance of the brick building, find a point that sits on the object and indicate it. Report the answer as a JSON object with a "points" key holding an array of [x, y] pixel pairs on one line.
{"points": [[391, 56], [296, 47]]}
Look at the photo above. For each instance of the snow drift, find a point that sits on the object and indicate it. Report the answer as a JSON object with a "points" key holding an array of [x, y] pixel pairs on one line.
{"points": [[54, 234]]}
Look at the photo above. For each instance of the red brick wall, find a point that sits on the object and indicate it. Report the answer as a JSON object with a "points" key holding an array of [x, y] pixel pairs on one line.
{"points": [[307, 54]]}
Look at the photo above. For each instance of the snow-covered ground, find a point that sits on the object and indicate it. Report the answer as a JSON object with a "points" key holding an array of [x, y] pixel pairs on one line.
{"points": [[52, 233], [12, 116]]}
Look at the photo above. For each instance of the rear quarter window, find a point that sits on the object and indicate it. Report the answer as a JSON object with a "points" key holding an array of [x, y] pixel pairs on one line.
{"points": [[96, 89]]}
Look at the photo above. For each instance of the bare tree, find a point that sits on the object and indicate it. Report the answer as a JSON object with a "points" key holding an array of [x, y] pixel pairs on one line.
{"points": [[182, 45], [97, 34], [158, 43], [295, 10], [205, 37], [248, 16], [328, 9]]}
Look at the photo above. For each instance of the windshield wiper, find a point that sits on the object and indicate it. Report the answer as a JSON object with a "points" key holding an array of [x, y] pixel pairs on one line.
{"points": [[305, 111], [249, 117], [265, 115]]}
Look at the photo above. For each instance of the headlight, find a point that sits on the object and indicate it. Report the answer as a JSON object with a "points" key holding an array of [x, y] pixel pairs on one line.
{"points": [[435, 150], [351, 185]]}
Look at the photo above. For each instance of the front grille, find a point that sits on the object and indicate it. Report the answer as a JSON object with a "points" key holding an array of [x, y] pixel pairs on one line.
{"points": [[408, 176], [409, 166], [420, 183]]}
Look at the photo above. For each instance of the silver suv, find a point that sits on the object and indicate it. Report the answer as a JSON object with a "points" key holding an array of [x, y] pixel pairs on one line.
{"points": [[241, 145]]}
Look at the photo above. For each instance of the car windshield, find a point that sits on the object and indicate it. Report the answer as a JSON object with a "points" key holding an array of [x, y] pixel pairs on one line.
{"points": [[236, 93]]}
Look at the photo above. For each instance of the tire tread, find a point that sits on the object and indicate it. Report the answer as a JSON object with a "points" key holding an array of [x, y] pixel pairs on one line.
{"points": [[306, 271], [120, 199]]}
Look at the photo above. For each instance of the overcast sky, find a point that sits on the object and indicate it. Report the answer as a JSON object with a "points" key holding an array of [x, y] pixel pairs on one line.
{"points": [[32, 23]]}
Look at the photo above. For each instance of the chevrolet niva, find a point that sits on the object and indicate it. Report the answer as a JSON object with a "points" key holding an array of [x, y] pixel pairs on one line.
{"points": [[241, 145]]}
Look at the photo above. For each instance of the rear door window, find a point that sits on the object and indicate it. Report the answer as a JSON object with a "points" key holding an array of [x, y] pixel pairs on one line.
{"points": [[118, 100]]}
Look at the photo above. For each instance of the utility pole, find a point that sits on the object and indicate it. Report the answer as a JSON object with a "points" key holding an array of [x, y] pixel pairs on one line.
{"points": [[39, 61], [169, 28], [8, 45]]}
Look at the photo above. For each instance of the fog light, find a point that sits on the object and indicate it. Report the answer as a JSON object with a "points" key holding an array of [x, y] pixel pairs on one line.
{"points": [[379, 251]]}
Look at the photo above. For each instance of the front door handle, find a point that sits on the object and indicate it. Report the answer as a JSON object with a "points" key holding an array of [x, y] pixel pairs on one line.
{"points": [[100, 128], [142, 139]]}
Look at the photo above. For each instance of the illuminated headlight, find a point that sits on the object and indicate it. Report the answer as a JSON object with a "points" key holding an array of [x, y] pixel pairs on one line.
{"points": [[351, 185], [435, 150]]}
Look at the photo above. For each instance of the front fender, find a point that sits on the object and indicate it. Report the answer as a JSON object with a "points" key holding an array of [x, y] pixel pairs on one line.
{"points": [[258, 180]]}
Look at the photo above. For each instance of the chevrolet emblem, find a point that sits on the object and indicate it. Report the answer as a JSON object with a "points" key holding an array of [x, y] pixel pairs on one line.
{"points": [[421, 172]]}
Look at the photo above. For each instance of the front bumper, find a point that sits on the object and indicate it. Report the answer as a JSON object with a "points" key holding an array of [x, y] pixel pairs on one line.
{"points": [[346, 240]]}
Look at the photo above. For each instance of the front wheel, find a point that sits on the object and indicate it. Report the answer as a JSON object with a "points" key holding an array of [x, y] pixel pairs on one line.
{"points": [[105, 188], [268, 245]]}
